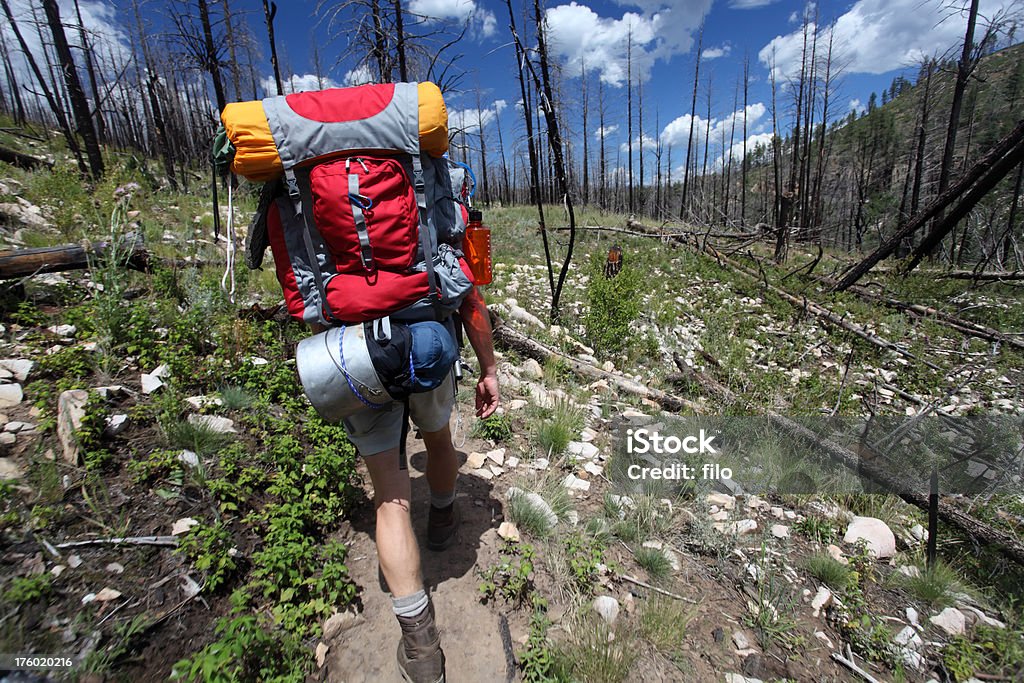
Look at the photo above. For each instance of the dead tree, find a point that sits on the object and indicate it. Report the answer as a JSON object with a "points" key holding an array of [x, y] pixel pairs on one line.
{"points": [[693, 114], [79, 105]]}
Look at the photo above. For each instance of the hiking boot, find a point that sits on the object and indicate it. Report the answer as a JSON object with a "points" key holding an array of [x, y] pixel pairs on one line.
{"points": [[420, 657], [442, 526]]}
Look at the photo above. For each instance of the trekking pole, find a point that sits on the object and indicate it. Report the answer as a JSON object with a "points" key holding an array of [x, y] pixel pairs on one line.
{"points": [[216, 207]]}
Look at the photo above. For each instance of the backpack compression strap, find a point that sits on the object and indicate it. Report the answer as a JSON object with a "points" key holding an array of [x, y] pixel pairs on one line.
{"points": [[428, 240], [307, 237]]}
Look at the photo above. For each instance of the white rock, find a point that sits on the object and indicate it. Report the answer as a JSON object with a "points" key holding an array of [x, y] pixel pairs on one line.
{"points": [[910, 571], [484, 474], [919, 532], [216, 423], [740, 640], [19, 367], [497, 455], [535, 501], [116, 424], [778, 513], [496, 471], [951, 620], [15, 427], [74, 561], [10, 395], [879, 537], [582, 449], [821, 600], [825, 640], [517, 404], [981, 616], [836, 553], [540, 464], [512, 461], [572, 517], [189, 458], [107, 594], [162, 371], [111, 390], [115, 567], [588, 435], [475, 460], [7, 439], [200, 402], [607, 607], [593, 468], [321, 654], [574, 483], [524, 316], [57, 570], [531, 369], [508, 531], [183, 525], [739, 678], [722, 500], [150, 383], [720, 516], [257, 361], [63, 330], [780, 531], [913, 617], [10, 470], [70, 413], [740, 528], [608, 366]]}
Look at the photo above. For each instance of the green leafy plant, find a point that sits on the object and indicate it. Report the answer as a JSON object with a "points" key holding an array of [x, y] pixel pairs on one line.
{"points": [[245, 651], [494, 427], [613, 304], [28, 588], [539, 662], [585, 556], [512, 578], [210, 550]]}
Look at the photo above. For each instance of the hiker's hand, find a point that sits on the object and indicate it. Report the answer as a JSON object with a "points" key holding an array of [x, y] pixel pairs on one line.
{"points": [[486, 396]]}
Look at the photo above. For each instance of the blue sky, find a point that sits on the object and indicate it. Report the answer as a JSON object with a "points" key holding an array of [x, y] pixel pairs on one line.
{"points": [[873, 41]]}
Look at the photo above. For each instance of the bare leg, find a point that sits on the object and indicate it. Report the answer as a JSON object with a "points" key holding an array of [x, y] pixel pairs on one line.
{"points": [[442, 460], [397, 549]]}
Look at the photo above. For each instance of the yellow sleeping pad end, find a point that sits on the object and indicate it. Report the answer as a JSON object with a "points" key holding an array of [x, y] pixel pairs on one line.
{"points": [[256, 155]]}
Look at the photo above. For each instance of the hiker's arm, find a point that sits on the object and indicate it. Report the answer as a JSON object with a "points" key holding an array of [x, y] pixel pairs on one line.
{"points": [[477, 324]]}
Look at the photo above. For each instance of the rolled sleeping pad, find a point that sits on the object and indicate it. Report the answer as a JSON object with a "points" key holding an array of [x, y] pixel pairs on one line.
{"points": [[339, 377]]}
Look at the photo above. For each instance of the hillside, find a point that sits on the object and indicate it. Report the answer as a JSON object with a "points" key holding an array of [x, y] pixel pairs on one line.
{"points": [[152, 407]]}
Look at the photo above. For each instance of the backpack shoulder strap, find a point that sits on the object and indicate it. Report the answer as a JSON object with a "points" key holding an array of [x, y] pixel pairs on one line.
{"points": [[428, 240], [295, 193]]}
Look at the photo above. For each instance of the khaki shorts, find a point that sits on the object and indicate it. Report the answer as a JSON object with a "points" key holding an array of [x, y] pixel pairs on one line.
{"points": [[374, 431]]}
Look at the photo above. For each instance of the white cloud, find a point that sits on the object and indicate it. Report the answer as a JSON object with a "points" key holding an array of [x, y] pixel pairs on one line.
{"points": [[296, 83], [656, 29], [753, 141], [716, 52], [878, 36], [855, 105], [359, 75], [750, 4], [677, 132], [483, 20], [648, 143], [605, 131], [470, 120]]}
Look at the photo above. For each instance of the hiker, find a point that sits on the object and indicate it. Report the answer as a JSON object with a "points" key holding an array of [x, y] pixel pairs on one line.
{"points": [[377, 252], [376, 435]]}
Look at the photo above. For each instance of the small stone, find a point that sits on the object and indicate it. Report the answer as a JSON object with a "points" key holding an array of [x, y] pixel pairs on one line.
{"points": [[951, 620], [512, 461], [588, 435], [182, 525], [321, 654], [257, 361], [822, 600], [63, 330], [740, 640], [593, 468], [19, 367], [57, 570], [789, 515], [10, 395], [825, 640], [162, 371], [496, 471], [607, 607], [508, 531], [9, 469], [910, 571], [107, 594], [836, 553], [497, 455], [722, 500], [70, 413], [7, 439], [150, 383], [582, 449], [780, 531], [221, 425], [739, 678], [486, 475], [879, 537], [517, 404], [913, 617], [115, 567], [574, 483], [189, 458], [537, 502], [116, 424], [720, 516], [540, 464], [74, 561], [919, 533], [200, 402], [531, 369], [111, 390], [476, 460], [778, 513]]}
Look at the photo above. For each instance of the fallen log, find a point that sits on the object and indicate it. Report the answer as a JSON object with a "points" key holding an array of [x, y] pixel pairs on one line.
{"points": [[21, 263], [990, 276], [25, 161], [520, 343]]}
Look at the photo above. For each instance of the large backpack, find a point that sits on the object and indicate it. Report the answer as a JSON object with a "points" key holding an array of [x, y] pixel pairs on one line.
{"points": [[357, 205]]}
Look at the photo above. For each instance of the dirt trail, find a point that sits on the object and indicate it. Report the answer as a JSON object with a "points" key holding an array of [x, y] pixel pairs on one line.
{"points": [[470, 632]]}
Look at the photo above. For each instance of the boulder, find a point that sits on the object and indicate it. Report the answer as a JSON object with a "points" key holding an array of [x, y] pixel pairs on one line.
{"points": [[19, 367], [879, 537], [10, 470], [607, 607], [70, 412], [531, 369], [10, 395], [951, 620]]}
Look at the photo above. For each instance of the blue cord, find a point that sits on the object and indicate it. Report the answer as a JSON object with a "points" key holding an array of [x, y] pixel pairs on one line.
{"points": [[472, 176], [351, 385]]}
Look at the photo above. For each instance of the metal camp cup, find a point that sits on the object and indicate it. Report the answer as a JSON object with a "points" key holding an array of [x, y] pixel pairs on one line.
{"points": [[337, 374]]}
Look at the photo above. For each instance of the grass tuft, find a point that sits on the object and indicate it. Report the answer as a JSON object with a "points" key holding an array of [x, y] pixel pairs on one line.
{"points": [[828, 570], [655, 562]]}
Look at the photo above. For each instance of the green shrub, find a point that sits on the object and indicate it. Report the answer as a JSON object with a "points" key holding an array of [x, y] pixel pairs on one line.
{"points": [[28, 588], [613, 304], [512, 578], [494, 427], [209, 549], [245, 651]]}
